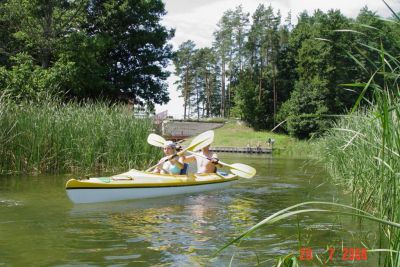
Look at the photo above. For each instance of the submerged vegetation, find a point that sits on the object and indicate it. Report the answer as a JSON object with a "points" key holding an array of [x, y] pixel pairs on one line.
{"points": [[71, 137]]}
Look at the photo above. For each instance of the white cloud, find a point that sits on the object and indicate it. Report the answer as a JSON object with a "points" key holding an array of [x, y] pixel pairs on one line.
{"points": [[197, 19]]}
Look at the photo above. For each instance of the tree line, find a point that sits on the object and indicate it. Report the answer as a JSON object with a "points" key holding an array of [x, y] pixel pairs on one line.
{"points": [[85, 49], [264, 70], [259, 68]]}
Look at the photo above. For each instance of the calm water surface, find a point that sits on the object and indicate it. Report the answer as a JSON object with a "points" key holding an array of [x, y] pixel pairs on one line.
{"points": [[39, 226]]}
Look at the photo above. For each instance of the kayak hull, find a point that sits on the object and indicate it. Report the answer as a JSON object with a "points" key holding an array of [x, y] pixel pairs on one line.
{"points": [[139, 185]]}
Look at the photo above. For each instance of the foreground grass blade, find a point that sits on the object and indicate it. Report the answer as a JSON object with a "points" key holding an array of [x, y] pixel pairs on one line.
{"points": [[285, 213]]}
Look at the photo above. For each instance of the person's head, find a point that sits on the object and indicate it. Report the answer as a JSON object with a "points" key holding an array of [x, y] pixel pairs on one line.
{"points": [[206, 148], [169, 148]]}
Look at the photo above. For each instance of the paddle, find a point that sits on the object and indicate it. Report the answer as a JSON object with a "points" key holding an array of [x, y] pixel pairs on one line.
{"points": [[197, 143], [240, 169], [156, 140]]}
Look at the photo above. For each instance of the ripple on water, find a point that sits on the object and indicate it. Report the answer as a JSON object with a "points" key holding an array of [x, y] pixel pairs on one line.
{"points": [[284, 186], [10, 203], [123, 257]]}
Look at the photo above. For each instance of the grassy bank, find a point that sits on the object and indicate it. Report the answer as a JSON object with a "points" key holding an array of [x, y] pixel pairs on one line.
{"points": [[237, 134], [53, 137]]}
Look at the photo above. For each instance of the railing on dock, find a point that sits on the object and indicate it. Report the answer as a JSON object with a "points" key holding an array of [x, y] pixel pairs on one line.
{"points": [[260, 150]]}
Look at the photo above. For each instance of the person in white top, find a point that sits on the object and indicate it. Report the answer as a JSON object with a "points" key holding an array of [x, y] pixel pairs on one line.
{"points": [[208, 165]]}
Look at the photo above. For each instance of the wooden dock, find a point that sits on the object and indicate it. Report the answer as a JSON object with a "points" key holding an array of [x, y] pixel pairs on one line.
{"points": [[250, 150]]}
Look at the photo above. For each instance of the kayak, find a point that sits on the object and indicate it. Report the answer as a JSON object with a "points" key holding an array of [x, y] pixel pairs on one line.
{"points": [[136, 184]]}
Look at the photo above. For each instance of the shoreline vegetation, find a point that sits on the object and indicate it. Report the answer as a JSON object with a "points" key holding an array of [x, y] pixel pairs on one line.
{"points": [[279, 72], [362, 153], [93, 137], [236, 133], [56, 137]]}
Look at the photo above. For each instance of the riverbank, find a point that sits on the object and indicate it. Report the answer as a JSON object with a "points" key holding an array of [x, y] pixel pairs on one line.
{"points": [[238, 134], [84, 138]]}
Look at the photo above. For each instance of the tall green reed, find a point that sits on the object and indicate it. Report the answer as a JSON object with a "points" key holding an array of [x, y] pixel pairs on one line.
{"points": [[71, 137], [362, 152]]}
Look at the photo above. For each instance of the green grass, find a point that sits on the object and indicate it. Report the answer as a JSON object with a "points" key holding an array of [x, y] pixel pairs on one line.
{"points": [[363, 153], [237, 134], [53, 137]]}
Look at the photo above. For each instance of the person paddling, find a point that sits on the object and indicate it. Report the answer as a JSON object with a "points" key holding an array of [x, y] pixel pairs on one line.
{"points": [[204, 165], [171, 163]]}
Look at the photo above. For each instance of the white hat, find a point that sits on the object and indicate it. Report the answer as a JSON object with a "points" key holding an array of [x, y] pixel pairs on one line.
{"points": [[170, 144]]}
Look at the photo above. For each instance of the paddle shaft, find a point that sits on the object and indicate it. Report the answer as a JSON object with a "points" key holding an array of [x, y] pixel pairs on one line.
{"points": [[177, 154], [152, 167], [210, 159], [239, 169]]}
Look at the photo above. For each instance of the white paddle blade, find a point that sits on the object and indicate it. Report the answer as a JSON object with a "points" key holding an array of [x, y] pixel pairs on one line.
{"points": [[156, 140], [242, 170], [201, 141]]}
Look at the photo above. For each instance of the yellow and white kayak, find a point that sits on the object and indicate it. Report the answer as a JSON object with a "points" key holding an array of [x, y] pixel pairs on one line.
{"points": [[136, 184]]}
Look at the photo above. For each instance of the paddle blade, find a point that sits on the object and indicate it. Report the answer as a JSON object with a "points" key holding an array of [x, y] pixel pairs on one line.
{"points": [[242, 170], [156, 140], [201, 141]]}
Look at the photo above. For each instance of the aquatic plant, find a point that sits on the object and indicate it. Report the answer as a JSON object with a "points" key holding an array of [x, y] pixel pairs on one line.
{"points": [[52, 136]]}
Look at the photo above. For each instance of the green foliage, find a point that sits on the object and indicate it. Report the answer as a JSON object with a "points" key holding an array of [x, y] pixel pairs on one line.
{"points": [[267, 71], [320, 69], [135, 51], [362, 151], [104, 49], [305, 109], [25, 80], [245, 100], [53, 137]]}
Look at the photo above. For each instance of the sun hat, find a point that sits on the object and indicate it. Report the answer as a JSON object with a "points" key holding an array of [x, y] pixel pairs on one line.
{"points": [[170, 144]]}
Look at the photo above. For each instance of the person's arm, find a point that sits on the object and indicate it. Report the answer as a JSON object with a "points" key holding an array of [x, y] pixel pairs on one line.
{"points": [[159, 167], [188, 159], [177, 161], [214, 160]]}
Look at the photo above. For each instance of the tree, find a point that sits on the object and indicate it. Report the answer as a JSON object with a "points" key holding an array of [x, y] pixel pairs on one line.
{"points": [[323, 64], [305, 110], [136, 52], [110, 49], [204, 64], [230, 41], [184, 69], [223, 46], [263, 48]]}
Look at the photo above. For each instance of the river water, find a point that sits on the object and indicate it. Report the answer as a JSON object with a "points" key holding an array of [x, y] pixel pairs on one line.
{"points": [[39, 226]]}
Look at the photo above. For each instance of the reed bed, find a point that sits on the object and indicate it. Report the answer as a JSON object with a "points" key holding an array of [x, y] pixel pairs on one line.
{"points": [[55, 137], [362, 152]]}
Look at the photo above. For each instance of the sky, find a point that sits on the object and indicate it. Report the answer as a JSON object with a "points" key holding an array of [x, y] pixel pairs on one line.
{"points": [[197, 19]]}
